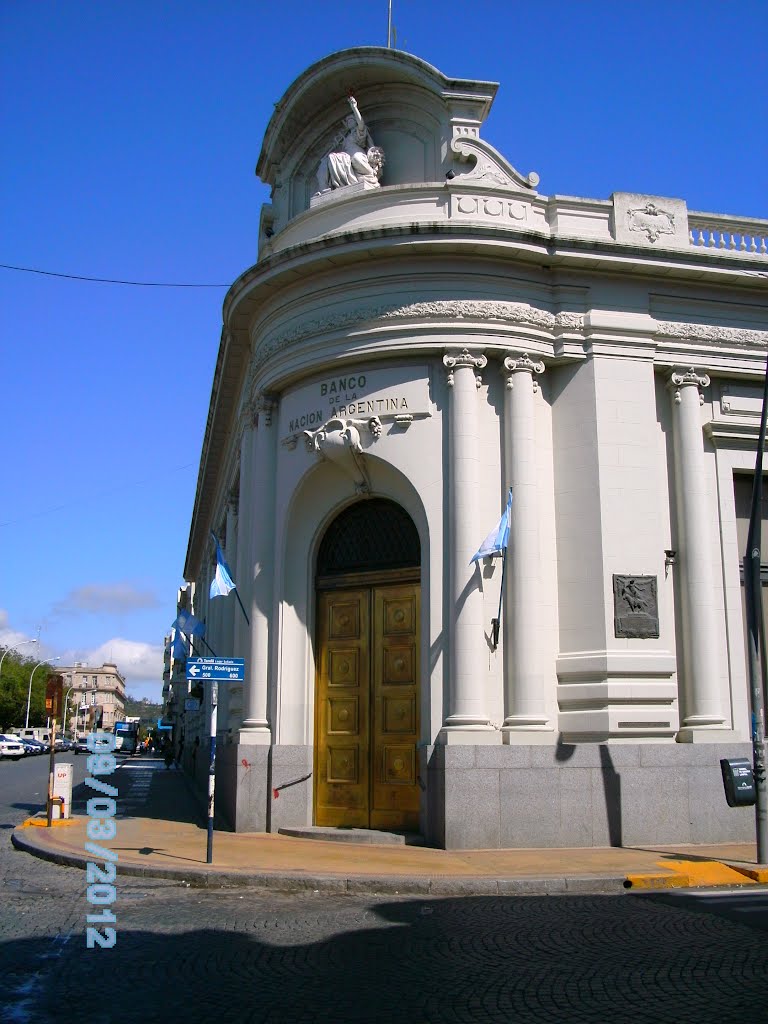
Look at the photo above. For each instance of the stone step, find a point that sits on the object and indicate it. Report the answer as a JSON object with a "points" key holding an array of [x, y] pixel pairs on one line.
{"points": [[354, 835]]}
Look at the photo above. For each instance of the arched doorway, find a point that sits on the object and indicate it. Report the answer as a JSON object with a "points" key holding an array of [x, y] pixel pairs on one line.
{"points": [[368, 662]]}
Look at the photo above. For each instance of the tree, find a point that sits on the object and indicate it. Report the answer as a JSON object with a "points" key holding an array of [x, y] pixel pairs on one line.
{"points": [[14, 687]]}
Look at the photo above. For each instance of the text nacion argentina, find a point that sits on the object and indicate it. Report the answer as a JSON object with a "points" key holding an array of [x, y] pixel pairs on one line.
{"points": [[344, 396]]}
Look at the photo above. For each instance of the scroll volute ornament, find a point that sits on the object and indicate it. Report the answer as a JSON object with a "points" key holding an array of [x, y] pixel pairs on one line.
{"points": [[514, 364], [454, 361], [687, 379]]}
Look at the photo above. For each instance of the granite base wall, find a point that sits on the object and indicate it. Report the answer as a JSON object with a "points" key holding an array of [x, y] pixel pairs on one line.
{"points": [[242, 774], [291, 772], [507, 797]]}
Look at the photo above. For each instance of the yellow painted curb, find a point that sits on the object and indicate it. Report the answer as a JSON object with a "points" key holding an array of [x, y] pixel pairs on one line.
{"points": [[691, 873], [650, 881], [43, 822], [757, 873]]}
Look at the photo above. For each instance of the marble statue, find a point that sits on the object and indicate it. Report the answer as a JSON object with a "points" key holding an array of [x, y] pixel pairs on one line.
{"points": [[354, 158]]}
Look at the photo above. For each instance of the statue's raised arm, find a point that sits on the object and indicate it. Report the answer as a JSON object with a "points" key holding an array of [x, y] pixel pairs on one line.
{"points": [[354, 159], [356, 112]]}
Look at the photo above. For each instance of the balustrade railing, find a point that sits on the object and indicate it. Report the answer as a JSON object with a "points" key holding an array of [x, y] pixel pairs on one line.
{"points": [[714, 231]]}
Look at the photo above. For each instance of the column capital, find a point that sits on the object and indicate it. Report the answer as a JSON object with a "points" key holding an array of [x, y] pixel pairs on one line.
{"points": [[521, 363], [264, 404], [454, 360], [688, 378]]}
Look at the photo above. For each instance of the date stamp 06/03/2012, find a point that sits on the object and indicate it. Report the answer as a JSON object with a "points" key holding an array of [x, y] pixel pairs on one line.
{"points": [[101, 827]]}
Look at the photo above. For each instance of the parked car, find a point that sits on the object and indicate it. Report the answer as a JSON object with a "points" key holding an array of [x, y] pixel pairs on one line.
{"points": [[33, 746], [81, 745], [62, 743], [11, 746]]}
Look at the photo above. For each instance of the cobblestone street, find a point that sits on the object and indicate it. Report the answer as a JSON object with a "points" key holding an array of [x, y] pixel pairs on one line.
{"points": [[249, 956]]}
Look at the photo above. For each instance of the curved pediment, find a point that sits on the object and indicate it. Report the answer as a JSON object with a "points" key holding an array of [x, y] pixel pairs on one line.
{"points": [[426, 125], [369, 73]]}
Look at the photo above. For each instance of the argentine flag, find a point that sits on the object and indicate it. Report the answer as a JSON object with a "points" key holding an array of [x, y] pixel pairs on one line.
{"points": [[496, 541], [178, 645], [222, 582], [186, 622]]}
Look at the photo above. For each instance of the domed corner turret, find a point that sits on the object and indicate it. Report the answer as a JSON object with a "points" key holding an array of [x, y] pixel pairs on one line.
{"points": [[372, 117]]}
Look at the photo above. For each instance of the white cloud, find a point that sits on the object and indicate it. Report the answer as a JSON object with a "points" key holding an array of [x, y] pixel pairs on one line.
{"points": [[105, 599], [14, 638], [132, 657], [139, 663]]}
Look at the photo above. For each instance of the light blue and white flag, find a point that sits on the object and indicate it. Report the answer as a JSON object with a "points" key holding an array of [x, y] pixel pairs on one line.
{"points": [[187, 623], [496, 541], [222, 582], [178, 645]]}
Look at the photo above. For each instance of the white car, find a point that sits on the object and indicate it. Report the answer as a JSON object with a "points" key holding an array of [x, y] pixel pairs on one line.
{"points": [[11, 746]]}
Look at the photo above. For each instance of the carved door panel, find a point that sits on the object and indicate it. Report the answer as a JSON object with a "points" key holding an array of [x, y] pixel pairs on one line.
{"points": [[395, 708], [367, 708], [343, 709]]}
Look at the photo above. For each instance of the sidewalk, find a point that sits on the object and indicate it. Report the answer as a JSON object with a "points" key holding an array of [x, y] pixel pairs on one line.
{"points": [[161, 833]]}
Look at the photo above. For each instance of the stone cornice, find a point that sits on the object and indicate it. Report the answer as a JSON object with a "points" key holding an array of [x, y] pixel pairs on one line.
{"points": [[477, 311], [710, 334]]}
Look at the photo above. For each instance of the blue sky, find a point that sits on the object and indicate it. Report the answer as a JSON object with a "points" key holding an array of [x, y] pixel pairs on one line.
{"points": [[131, 133]]}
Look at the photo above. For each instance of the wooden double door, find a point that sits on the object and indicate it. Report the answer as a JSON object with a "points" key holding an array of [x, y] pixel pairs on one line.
{"points": [[367, 707]]}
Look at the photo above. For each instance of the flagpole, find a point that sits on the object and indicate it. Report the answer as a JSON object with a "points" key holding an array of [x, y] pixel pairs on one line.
{"points": [[188, 638], [496, 623], [237, 595]]}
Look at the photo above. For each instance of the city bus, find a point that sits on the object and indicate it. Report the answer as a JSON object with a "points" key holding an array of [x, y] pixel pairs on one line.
{"points": [[127, 736]]}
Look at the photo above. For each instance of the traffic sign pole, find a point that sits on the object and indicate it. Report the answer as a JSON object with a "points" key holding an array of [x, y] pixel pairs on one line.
{"points": [[212, 768]]}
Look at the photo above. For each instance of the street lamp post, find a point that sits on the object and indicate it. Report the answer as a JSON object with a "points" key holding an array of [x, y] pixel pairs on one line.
{"points": [[66, 703], [29, 694], [13, 648]]}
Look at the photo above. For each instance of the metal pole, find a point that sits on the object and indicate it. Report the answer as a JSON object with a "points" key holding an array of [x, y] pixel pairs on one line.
{"points": [[496, 623], [29, 694], [754, 613], [66, 703], [389, 25], [212, 768], [51, 770]]}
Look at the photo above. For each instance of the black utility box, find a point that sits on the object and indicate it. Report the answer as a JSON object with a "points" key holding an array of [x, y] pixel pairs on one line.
{"points": [[739, 781]]}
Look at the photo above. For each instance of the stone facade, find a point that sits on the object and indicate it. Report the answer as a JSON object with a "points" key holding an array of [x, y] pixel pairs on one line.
{"points": [[97, 697], [435, 341]]}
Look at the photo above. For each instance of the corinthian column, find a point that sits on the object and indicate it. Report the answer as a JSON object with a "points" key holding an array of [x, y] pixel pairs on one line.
{"points": [[702, 705], [525, 703], [467, 668], [261, 525]]}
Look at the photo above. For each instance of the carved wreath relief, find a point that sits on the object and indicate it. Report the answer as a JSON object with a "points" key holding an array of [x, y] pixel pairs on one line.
{"points": [[651, 220], [635, 607]]}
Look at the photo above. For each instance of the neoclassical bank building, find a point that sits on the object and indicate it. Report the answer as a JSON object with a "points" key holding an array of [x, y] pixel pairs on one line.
{"points": [[423, 330]]}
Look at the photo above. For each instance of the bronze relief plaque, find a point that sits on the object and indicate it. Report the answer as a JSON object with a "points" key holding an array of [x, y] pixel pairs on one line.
{"points": [[635, 607]]}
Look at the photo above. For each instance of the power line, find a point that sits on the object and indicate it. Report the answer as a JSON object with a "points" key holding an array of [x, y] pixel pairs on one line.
{"points": [[110, 280], [103, 493]]}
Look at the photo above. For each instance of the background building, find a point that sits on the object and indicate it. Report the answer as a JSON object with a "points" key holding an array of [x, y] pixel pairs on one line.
{"points": [[401, 355], [97, 699]]}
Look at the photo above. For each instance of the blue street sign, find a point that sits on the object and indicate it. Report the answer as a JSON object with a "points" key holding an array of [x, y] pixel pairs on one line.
{"points": [[224, 669]]}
